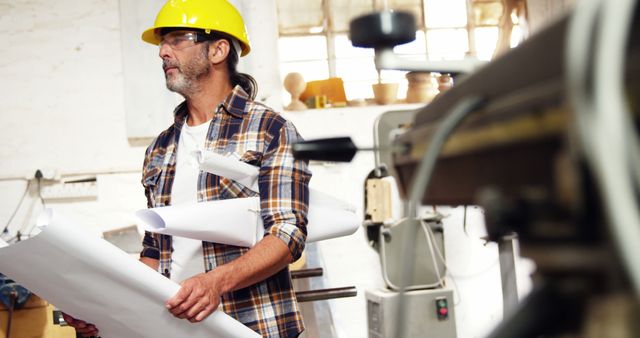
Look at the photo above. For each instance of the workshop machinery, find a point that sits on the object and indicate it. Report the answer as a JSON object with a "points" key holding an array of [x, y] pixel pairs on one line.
{"points": [[544, 139]]}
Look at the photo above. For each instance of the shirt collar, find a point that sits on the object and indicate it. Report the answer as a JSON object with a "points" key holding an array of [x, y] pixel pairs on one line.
{"points": [[233, 104]]}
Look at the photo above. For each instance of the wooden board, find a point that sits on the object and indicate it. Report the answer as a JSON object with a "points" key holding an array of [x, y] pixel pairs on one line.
{"points": [[35, 319]]}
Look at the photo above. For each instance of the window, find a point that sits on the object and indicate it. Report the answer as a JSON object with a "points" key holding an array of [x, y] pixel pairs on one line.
{"points": [[314, 37]]}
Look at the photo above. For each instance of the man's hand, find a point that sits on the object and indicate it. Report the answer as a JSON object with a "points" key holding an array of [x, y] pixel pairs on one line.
{"points": [[199, 295], [197, 298], [83, 328]]}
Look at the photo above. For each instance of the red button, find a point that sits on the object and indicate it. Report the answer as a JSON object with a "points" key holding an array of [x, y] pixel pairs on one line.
{"points": [[443, 311]]}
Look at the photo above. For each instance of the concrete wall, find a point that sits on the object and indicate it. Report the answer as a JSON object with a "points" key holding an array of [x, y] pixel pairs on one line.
{"points": [[62, 108]]}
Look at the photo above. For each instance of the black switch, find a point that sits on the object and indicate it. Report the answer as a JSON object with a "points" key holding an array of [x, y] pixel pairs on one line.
{"points": [[58, 319]]}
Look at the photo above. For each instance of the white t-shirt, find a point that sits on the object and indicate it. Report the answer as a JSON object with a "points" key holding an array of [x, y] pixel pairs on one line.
{"points": [[187, 259]]}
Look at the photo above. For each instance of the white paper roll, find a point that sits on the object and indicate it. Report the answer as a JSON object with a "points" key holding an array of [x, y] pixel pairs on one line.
{"points": [[233, 221], [236, 221], [93, 280]]}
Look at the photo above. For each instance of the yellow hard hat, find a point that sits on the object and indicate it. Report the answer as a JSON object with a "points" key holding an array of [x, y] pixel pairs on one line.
{"points": [[208, 15]]}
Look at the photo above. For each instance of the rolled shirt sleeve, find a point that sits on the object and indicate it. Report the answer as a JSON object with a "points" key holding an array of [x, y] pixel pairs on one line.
{"points": [[150, 247], [284, 189], [151, 241]]}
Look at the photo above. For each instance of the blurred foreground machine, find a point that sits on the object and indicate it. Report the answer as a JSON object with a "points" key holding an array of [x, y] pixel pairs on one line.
{"points": [[550, 153], [545, 139]]}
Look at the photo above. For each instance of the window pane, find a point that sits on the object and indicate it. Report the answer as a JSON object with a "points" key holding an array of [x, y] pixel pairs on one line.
{"points": [[412, 6], [310, 70], [356, 69], [487, 13], [302, 48], [358, 90], [447, 44], [342, 12], [299, 17], [415, 47], [344, 48], [486, 40], [445, 13]]}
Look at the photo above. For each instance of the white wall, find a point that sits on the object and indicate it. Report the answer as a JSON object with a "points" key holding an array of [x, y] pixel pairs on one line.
{"points": [[63, 109], [262, 63], [61, 88]]}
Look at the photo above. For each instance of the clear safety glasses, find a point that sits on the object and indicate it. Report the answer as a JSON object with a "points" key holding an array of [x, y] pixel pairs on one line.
{"points": [[182, 40]]}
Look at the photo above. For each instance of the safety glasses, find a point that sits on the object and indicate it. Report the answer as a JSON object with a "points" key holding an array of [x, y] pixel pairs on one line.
{"points": [[181, 40]]}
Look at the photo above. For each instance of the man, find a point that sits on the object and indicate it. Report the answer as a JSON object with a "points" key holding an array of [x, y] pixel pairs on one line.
{"points": [[200, 42]]}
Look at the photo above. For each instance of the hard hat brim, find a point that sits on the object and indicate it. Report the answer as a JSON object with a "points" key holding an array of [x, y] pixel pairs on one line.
{"points": [[151, 36]]}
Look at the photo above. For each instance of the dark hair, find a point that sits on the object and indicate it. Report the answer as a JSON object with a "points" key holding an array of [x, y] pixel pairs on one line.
{"points": [[246, 81]]}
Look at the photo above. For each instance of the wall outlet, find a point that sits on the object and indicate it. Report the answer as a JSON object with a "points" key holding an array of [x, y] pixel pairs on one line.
{"points": [[86, 188], [50, 174]]}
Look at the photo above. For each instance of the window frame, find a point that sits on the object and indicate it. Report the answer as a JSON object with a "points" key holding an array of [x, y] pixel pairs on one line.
{"points": [[330, 33]]}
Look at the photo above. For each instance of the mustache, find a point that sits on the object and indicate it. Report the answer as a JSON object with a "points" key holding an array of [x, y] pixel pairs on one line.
{"points": [[170, 64]]}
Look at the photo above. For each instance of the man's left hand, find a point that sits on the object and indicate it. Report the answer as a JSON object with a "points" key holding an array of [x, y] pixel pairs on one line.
{"points": [[197, 298]]}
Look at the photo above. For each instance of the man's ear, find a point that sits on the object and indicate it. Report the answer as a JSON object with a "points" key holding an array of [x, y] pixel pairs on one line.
{"points": [[218, 51]]}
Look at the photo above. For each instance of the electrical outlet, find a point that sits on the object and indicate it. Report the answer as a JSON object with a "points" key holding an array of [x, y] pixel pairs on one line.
{"points": [[50, 174], [46, 174], [86, 188]]}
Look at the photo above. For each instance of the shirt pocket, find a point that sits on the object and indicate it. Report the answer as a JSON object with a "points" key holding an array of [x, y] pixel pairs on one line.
{"points": [[232, 189], [252, 157]]}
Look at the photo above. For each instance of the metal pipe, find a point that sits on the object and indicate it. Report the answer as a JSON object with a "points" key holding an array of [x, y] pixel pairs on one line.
{"points": [[305, 273], [323, 294]]}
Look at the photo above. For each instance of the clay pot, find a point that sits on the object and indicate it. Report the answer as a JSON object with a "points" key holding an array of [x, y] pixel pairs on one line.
{"points": [[422, 87], [385, 93]]}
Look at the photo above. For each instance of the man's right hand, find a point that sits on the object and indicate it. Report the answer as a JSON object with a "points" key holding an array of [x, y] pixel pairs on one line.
{"points": [[83, 328]]}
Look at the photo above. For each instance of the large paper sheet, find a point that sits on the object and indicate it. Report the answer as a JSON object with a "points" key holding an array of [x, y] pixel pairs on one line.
{"points": [[234, 221], [237, 221], [93, 280]]}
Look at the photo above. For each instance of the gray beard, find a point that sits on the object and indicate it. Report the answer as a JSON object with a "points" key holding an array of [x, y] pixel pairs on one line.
{"points": [[186, 81], [181, 85]]}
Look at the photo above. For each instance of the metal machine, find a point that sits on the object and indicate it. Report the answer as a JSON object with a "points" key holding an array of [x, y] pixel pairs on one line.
{"points": [[545, 139], [424, 290], [551, 152]]}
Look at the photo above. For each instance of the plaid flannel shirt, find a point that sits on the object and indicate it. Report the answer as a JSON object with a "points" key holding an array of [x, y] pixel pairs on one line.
{"points": [[256, 135]]}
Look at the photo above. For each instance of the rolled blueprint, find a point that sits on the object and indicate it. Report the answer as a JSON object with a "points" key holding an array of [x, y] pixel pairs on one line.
{"points": [[228, 167], [233, 221], [93, 280], [237, 221]]}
